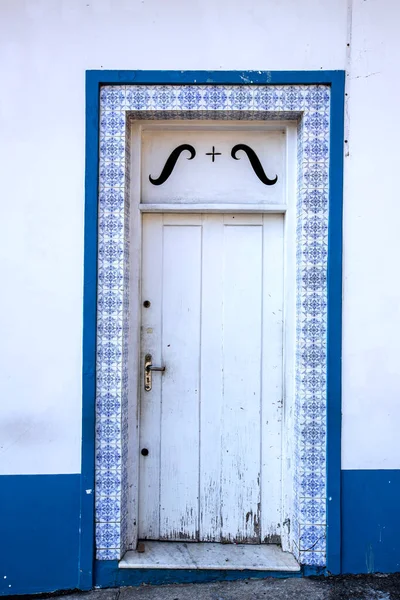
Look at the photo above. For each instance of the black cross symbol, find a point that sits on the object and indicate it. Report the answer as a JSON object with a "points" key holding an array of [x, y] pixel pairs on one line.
{"points": [[213, 154]]}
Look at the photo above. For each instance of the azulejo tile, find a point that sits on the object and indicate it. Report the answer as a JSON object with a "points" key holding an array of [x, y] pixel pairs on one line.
{"points": [[312, 538], [313, 510], [311, 484], [313, 327], [112, 173], [108, 509], [108, 404], [315, 304], [313, 278], [267, 98], [309, 105], [215, 97], [315, 175], [111, 276], [293, 97], [189, 97], [108, 554], [315, 253], [316, 149], [313, 458], [109, 377], [313, 559], [108, 483], [109, 302], [313, 354], [108, 429], [109, 329], [108, 456], [111, 225], [315, 201], [112, 148], [112, 123], [317, 97], [111, 199], [164, 97], [137, 97], [317, 123], [314, 408], [108, 535], [240, 98], [314, 380], [111, 250], [112, 97]]}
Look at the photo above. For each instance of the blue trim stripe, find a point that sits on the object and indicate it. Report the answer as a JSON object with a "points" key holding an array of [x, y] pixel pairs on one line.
{"points": [[87, 544], [334, 326], [214, 77]]}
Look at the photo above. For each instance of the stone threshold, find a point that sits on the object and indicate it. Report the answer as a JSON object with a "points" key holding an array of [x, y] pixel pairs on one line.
{"points": [[209, 556]]}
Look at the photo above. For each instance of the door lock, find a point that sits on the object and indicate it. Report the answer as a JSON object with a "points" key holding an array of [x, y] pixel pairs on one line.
{"points": [[148, 369]]}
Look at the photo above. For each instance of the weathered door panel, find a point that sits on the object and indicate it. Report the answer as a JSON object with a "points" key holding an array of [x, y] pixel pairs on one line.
{"points": [[211, 422]]}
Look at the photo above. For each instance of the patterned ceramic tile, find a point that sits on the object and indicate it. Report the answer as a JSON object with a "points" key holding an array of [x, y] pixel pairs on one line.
{"points": [[108, 553], [315, 559], [313, 510], [310, 106], [108, 509], [108, 482], [108, 535], [312, 538]]}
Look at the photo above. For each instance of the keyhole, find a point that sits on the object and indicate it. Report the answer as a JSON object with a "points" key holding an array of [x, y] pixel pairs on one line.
{"points": [[144, 452], [146, 303]]}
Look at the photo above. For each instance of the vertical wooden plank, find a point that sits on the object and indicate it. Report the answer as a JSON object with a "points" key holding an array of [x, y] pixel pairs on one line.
{"points": [[272, 371], [150, 402], [211, 379], [242, 330], [181, 309], [135, 383]]}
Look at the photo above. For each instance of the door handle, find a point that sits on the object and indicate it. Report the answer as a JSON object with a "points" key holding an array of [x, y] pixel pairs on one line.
{"points": [[148, 369]]}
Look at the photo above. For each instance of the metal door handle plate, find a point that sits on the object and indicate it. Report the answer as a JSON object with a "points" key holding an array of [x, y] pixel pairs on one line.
{"points": [[148, 368]]}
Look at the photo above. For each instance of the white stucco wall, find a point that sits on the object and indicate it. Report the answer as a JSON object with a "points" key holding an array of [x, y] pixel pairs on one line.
{"points": [[371, 325], [45, 48]]}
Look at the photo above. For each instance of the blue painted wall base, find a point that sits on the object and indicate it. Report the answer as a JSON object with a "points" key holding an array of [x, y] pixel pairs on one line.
{"points": [[370, 521], [39, 533], [107, 574]]}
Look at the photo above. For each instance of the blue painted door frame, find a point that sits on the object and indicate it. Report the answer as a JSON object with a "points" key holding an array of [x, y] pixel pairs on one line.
{"points": [[94, 80]]}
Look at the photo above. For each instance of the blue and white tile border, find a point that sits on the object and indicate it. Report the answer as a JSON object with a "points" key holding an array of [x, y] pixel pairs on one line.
{"points": [[310, 106]]}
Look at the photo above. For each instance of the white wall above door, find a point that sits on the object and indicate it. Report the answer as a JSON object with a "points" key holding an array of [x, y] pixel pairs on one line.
{"points": [[214, 177]]}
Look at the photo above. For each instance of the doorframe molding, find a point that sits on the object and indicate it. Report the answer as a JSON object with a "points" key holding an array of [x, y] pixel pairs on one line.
{"points": [[94, 81]]}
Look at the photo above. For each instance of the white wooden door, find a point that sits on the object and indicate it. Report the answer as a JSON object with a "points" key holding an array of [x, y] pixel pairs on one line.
{"points": [[210, 428]]}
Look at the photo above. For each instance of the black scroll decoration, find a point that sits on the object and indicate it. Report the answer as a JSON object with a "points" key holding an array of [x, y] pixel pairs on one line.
{"points": [[171, 162], [255, 163]]}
